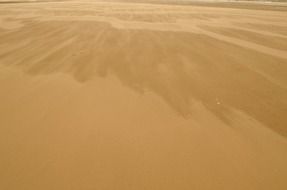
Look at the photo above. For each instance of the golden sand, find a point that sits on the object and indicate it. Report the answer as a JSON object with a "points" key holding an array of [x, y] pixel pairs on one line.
{"points": [[138, 96]]}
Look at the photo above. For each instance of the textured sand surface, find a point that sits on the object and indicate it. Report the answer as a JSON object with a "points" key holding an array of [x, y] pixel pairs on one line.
{"points": [[135, 96]]}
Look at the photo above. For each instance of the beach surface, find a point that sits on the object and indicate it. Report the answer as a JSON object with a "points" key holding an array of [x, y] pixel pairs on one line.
{"points": [[144, 95]]}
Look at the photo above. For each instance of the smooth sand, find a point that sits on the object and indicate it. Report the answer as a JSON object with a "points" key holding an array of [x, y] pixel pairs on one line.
{"points": [[135, 96]]}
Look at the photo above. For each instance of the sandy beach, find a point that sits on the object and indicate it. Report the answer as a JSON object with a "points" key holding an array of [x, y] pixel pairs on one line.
{"points": [[143, 95]]}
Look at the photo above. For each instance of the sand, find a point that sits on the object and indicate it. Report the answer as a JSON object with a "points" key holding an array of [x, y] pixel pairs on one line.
{"points": [[142, 96]]}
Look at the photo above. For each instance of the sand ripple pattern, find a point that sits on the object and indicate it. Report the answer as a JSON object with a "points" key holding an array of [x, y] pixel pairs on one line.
{"points": [[225, 58]]}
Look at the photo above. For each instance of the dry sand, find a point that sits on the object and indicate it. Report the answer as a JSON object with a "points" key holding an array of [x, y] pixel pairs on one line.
{"points": [[136, 96]]}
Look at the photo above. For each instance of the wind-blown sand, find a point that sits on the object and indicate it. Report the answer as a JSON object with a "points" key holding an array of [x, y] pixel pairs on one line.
{"points": [[137, 96]]}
